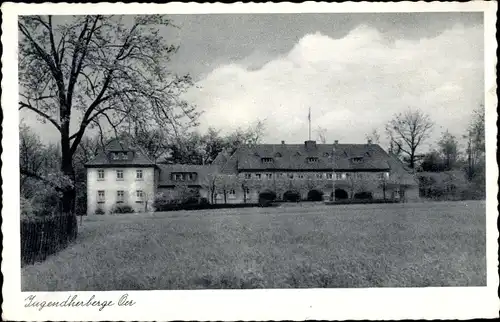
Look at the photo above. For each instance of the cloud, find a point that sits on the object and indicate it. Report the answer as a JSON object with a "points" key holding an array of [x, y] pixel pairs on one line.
{"points": [[352, 84]]}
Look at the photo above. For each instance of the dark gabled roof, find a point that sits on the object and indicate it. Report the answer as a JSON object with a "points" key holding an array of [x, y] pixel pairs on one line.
{"points": [[166, 170], [137, 158], [295, 157]]}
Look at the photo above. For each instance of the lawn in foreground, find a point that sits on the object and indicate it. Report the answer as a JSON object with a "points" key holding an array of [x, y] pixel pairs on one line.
{"points": [[391, 245]]}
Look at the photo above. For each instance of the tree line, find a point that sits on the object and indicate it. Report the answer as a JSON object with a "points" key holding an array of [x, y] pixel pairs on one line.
{"points": [[409, 131]]}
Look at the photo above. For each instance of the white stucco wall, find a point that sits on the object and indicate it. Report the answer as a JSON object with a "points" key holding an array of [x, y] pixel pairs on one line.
{"points": [[111, 185]]}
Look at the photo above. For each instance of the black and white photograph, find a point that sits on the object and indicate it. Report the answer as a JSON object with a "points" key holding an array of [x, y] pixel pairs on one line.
{"points": [[238, 152]]}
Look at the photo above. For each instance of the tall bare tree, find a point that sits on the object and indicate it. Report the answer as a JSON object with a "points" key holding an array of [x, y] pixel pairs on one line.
{"points": [[95, 70], [407, 131], [476, 147]]}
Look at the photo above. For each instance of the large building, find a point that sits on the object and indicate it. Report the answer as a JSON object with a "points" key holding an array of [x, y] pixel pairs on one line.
{"points": [[315, 171], [123, 175]]}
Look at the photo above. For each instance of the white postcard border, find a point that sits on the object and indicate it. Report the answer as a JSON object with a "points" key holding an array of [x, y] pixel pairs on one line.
{"points": [[293, 304]]}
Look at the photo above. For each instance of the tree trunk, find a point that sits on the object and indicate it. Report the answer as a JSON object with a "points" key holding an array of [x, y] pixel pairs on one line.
{"points": [[225, 198], [68, 219]]}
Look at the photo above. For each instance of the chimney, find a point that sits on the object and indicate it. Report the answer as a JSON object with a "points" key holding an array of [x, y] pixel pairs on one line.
{"points": [[282, 142], [369, 142], [336, 141], [310, 144]]}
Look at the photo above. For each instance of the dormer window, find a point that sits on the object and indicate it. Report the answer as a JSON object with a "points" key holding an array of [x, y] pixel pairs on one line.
{"points": [[326, 154], [119, 155], [267, 160], [357, 160], [297, 154], [181, 176], [278, 155], [312, 160]]}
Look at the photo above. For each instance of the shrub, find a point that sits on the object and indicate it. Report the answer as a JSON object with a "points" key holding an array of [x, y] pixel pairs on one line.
{"points": [[315, 195], [190, 201], [341, 194], [266, 198], [363, 195], [292, 196], [99, 211], [122, 209]]}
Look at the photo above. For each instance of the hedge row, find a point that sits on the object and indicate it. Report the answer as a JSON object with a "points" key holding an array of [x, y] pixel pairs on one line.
{"points": [[361, 201], [43, 236], [175, 207]]}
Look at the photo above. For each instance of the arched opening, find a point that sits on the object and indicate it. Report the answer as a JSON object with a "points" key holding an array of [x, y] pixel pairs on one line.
{"points": [[292, 196], [266, 198], [341, 194], [315, 195], [363, 195]]}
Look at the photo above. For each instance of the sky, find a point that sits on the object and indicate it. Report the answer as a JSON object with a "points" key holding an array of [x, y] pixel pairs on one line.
{"points": [[355, 71]]}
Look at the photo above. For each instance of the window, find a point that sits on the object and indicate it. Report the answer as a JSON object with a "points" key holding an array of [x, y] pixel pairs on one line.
{"points": [[358, 175], [257, 175], [357, 160], [120, 196], [119, 174], [232, 193], [247, 191], [248, 175], [267, 160], [100, 174], [319, 175], [301, 176], [277, 154], [140, 196], [339, 176], [290, 176], [114, 156], [312, 159], [191, 176], [269, 176], [101, 198], [138, 175], [329, 176], [177, 177], [381, 176]]}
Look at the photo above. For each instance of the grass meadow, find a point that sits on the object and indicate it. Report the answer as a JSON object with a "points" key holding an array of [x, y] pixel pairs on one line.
{"points": [[293, 246]]}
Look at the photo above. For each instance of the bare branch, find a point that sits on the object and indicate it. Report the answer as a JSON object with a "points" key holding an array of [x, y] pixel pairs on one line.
{"points": [[47, 117]]}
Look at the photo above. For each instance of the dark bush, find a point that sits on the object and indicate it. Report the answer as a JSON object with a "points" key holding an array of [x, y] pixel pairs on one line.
{"points": [[99, 211], [191, 201], [341, 194], [292, 196], [204, 201], [364, 195], [43, 236], [315, 195], [122, 209], [266, 198]]}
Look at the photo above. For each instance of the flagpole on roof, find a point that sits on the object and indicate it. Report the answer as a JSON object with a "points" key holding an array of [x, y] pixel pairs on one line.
{"points": [[309, 117]]}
